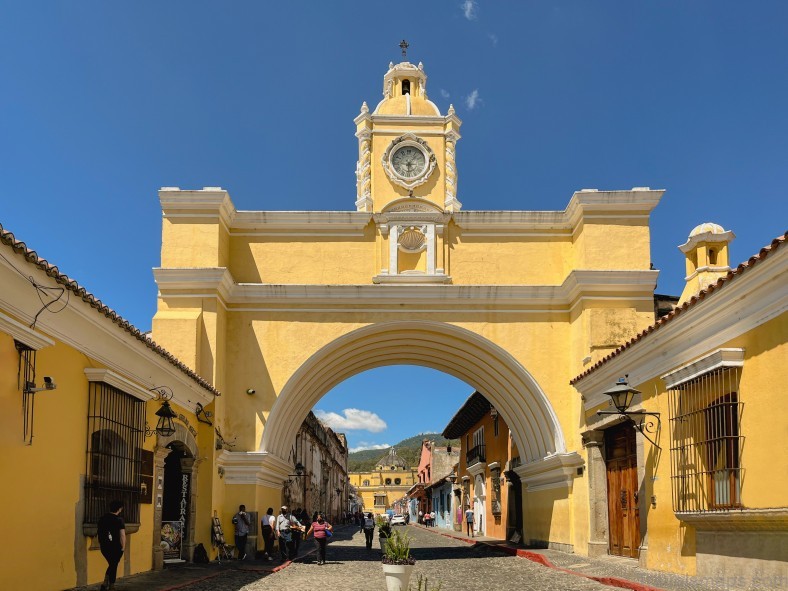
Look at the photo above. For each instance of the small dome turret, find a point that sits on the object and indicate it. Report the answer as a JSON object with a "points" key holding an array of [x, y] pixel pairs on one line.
{"points": [[706, 228], [707, 256], [405, 92]]}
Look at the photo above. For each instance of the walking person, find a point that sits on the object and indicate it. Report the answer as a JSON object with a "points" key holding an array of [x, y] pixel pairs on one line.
{"points": [[469, 519], [319, 528], [241, 523], [297, 533], [285, 523], [112, 540], [369, 530], [432, 518], [267, 524]]}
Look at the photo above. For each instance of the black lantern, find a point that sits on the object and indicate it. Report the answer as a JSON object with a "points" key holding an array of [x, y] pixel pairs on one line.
{"points": [[165, 427], [452, 478], [645, 422], [622, 395]]}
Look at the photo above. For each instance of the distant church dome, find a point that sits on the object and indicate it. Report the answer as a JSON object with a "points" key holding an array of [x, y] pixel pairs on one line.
{"points": [[707, 228], [392, 460]]}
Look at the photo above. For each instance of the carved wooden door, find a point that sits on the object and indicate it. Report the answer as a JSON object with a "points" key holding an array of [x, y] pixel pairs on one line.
{"points": [[622, 491]]}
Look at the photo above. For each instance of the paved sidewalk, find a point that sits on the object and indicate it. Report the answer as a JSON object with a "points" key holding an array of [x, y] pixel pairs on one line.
{"points": [[617, 572]]}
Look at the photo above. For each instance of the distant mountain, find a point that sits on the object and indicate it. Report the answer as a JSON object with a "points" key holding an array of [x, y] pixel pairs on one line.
{"points": [[408, 449]]}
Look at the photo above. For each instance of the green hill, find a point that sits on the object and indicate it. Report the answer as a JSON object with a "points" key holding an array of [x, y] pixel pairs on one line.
{"points": [[408, 449]]}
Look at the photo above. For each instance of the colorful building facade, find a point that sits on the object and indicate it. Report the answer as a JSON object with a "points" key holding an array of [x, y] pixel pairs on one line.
{"points": [[487, 453], [381, 488], [692, 480]]}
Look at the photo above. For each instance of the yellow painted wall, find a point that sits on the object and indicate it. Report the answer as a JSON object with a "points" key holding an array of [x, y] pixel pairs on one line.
{"points": [[671, 542]]}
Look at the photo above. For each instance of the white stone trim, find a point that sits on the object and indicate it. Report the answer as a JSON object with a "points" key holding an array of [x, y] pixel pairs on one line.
{"points": [[738, 307], [117, 381], [707, 269], [477, 469], [189, 203], [709, 363], [494, 466], [252, 467], [300, 223], [693, 241], [597, 285], [23, 334], [555, 471]]}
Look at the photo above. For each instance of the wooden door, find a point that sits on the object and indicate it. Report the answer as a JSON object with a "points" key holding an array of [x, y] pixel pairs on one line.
{"points": [[622, 491]]}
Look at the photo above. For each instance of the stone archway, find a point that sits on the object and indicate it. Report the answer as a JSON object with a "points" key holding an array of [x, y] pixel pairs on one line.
{"points": [[445, 347], [189, 465]]}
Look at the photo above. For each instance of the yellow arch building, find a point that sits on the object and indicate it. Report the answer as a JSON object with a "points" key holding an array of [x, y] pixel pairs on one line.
{"points": [[515, 303]]}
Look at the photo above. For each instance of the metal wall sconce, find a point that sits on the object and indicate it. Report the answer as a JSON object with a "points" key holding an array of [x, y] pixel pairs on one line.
{"points": [[164, 426], [220, 470], [646, 422], [493, 413], [204, 416]]}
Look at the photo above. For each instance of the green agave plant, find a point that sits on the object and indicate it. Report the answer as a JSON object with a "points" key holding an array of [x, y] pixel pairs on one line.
{"points": [[397, 550]]}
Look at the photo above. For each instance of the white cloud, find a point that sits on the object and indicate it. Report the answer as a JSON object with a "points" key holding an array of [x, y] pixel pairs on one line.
{"points": [[444, 94], [473, 100], [469, 8], [493, 38], [363, 445], [354, 420]]}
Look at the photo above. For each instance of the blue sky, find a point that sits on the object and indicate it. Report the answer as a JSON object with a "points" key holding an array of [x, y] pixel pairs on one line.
{"points": [[105, 102]]}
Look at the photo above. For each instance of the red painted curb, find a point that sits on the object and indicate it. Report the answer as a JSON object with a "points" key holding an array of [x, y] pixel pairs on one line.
{"points": [[544, 561]]}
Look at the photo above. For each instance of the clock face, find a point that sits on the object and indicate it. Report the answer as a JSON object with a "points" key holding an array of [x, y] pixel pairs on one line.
{"points": [[408, 162]]}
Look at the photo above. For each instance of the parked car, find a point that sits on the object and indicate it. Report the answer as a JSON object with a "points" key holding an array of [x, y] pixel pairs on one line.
{"points": [[398, 520]]}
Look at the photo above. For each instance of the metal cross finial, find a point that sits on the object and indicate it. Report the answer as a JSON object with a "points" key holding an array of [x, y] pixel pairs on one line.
{"points": [[404, 47]]}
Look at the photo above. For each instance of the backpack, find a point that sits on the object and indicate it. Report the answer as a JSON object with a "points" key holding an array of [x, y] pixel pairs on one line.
{"points": [[200, 555]]}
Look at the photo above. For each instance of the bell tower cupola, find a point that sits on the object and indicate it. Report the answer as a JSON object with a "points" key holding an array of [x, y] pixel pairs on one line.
{"points": [[406, 146], [707, 255]]}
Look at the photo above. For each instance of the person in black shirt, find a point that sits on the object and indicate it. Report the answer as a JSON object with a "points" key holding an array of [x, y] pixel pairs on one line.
{"points": [[112, 539]]}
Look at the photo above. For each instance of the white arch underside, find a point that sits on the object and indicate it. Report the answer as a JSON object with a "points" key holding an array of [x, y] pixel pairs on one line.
{"points": [[444, 347]]}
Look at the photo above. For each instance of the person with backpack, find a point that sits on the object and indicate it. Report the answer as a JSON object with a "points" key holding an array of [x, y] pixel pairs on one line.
{"points": [[242, 523], [369, 529], [112, 540]]}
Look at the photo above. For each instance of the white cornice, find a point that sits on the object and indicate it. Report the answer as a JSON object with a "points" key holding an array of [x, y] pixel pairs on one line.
{"points": [[693, 241], [616, 205], [556, 471], [209, 279], [716, 360], [300, 223], [579, 285], [743, 304], [259, 468], [476, 469], [213, 200], [23, 334], [113, 379]]}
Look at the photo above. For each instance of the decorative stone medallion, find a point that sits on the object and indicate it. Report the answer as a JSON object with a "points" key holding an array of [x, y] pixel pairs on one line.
{"points": [[409, 161]]}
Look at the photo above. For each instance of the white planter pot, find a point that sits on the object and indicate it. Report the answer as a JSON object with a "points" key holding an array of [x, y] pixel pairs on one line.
{"points": [[397, 576]]}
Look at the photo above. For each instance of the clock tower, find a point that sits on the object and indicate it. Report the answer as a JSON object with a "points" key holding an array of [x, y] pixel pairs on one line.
{"points": [[406, 147], [406, 176]]}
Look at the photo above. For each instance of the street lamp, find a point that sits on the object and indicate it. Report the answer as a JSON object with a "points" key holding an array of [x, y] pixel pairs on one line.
{"points": [[164, 426], [622, 395], [452, 478]]}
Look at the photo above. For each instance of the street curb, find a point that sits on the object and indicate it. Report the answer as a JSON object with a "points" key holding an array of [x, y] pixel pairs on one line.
{"points": [[192, 582], [544, 561]]}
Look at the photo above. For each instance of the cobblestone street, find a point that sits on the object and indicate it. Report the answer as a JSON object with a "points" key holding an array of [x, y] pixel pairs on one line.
{"points": [[456, 565]]}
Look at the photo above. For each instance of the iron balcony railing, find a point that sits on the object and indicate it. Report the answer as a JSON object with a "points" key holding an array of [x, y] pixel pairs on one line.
{"points": [[475, 455]]}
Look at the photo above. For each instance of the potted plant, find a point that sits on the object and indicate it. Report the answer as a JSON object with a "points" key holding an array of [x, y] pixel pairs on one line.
{"points": [[384, 532], [397, 562]]}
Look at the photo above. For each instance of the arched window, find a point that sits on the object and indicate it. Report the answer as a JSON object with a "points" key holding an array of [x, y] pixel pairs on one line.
{"points": [[366, 483], [405, 87], [388, 480], [397, 481], [712, 256]]}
